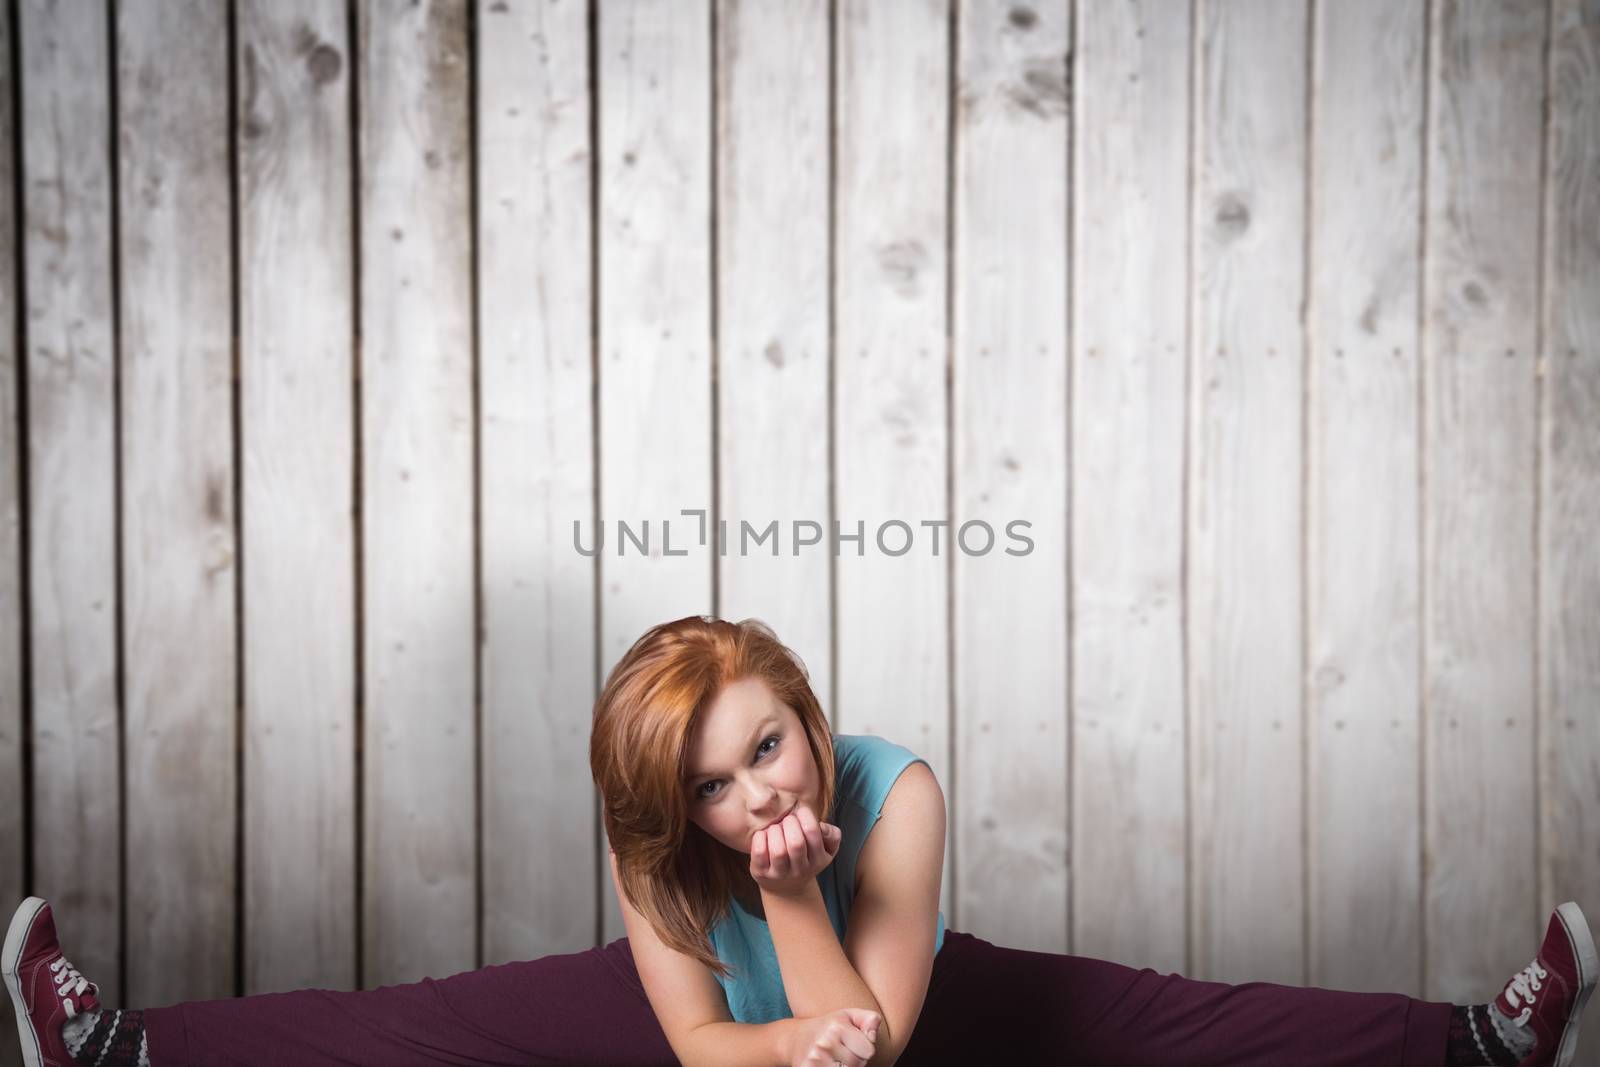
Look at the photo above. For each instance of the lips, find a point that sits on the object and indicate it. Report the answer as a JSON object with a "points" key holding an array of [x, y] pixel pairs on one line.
{"points": [[782, 817]]}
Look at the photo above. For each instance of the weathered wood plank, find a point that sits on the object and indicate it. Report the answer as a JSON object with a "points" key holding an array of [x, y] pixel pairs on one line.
{"points": [[535, 299], [418, 620], [1245, 489], [178, 539], [1009, 366], [655, 378], [1363, 724], [891, 367], [1129, 313], [72, 560], [1483, 912], [772, 330], [13, 622], [296, 378], [1569, 495], [1506, 459]]}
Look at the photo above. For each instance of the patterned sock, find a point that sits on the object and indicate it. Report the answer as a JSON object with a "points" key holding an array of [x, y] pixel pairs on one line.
{"points": [[1481, 1034], [107, 1039]]}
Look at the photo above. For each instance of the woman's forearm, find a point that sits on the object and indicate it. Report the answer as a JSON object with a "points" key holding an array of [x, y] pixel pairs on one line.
{"points": [[739, 1044], [817, 975]]}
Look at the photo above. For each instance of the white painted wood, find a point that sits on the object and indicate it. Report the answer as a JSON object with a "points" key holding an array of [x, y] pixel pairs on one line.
{"points": [[1129, 316], [419, 884], [71, 371], [1483, 917], [772, 330], [178, 538], [890, 409], [296, 379], [1569, 492], [655, 380], [1496, 464], [1009, 465], [1245, 509], [1363, 640], [535, 299], [13, 623]]}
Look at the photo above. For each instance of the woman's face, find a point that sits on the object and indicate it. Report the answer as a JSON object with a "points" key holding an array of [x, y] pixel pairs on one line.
{"points": [[749, 764]]}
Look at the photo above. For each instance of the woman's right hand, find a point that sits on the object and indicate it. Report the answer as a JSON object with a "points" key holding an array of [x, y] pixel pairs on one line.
{"points": [[847, 1036]]}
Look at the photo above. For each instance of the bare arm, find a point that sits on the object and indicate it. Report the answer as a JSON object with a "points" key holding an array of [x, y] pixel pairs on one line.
{"points": [[692, 1010], [738, 1044], [818, 977], [886, 961]]}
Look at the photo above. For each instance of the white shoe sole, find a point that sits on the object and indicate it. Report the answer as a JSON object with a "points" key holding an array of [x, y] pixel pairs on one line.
{"points": [[1588, 970], [16, 937]]}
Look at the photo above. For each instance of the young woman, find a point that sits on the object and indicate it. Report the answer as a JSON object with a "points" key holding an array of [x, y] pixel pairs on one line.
{"points": [[780, 889]]}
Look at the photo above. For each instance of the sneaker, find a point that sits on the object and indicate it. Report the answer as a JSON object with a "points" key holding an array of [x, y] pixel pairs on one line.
{"points": [[1549, 993], [46, 990]]}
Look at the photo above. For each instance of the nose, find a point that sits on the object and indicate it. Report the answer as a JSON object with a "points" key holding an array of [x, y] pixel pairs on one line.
{"points": [[764, 803]]}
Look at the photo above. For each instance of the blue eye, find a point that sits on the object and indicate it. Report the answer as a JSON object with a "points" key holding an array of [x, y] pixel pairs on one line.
{"points": [[700, 795]]}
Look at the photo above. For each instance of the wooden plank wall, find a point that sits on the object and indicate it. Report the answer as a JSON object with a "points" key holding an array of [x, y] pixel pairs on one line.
{"points": [[1244, 546], [1009, 405], [536, 444], [335, 332], [67, 427], [891, 380], [1365, 725], [1480, 443], [13, 828], [1568, 461], [653, 336], [297, 601], [175, 468], [1129, 322]]}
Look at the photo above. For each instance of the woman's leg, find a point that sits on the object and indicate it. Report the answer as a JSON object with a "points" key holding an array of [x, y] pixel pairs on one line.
{"points": [[579, 1008], [985, 1000]]}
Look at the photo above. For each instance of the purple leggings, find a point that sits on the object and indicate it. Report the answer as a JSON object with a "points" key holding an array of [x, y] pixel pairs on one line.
{"points": [[984, 1002]]}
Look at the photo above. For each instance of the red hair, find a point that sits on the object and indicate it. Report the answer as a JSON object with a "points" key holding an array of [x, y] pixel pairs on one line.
{"points": [[680, 877]]}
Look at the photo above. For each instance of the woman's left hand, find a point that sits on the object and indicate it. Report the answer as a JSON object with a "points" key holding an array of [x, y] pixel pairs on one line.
{"points": [[787, 856]]}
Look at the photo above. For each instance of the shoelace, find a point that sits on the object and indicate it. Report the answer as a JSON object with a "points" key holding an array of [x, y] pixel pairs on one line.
{"points": [[1523, 985], [68, 983]]}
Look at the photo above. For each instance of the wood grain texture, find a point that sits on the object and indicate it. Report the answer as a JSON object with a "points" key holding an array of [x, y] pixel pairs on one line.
{"points": [[418, 633], [773, 170], [296, 379], [1482, 915], [1245, 604], [1363, 701], [1569, 488], [70, 366], [1129, 318], [12, 628], [1008, 464], [891, 367], [178, 540], [535, 300], [655, 356], [13, 624], [1276, 319]]}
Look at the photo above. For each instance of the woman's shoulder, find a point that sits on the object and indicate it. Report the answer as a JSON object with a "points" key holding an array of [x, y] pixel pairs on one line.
{"points": [[866, 767], [869, 747]]}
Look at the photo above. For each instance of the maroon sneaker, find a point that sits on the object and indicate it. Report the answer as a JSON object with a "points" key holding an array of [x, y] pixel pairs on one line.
{"points": [[46, 990], [1548, 994]]}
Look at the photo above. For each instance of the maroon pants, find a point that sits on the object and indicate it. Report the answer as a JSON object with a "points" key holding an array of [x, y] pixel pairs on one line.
{"points": [[985, 1003]]}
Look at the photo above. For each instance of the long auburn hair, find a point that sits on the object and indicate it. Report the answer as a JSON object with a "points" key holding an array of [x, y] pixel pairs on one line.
{"points": [[680, 877]]}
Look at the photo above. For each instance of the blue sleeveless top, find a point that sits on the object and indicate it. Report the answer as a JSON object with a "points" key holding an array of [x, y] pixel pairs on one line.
{"points": [[866, 768]]}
